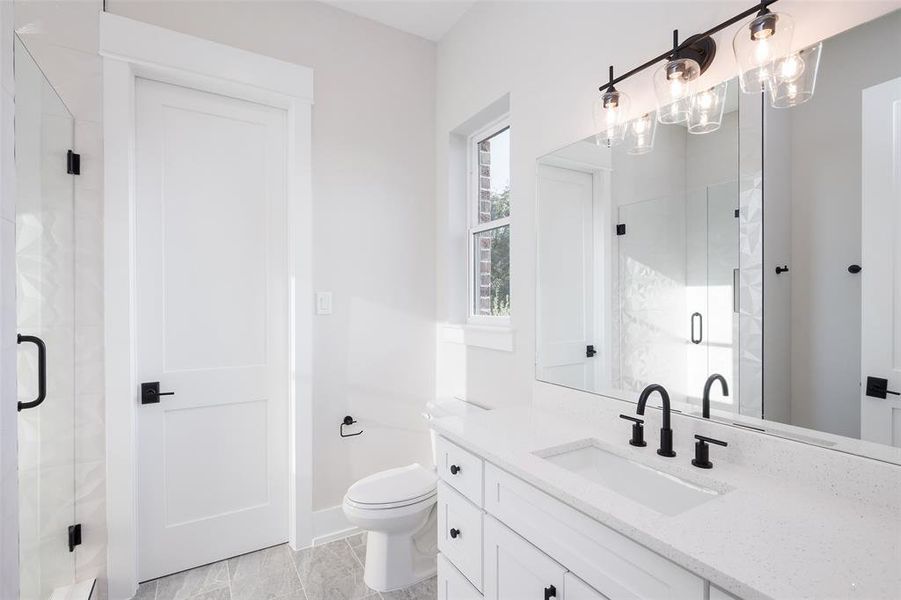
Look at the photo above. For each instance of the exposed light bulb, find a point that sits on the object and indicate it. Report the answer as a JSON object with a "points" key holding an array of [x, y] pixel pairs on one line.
{"points": [[762, 51], [640, 126], [705, 100], [791, 68], [791, 91], [676, 88]]}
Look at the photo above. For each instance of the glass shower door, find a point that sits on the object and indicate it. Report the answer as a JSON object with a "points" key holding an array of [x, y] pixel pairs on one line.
{"points": [[45, 308]]}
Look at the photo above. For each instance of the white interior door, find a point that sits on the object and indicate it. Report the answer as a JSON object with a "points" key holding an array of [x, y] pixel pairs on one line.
{"points": [[566, 289], [880, 420], [212, 327]]}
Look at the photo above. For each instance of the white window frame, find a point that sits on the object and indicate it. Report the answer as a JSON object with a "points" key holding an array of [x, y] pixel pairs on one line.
{"points": [[473, 225]]}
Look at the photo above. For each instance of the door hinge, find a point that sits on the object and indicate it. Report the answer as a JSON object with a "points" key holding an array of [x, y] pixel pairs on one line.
{"points": [[590, 351], [74, 536], [737, 213], [620, 229], [73, 163]]}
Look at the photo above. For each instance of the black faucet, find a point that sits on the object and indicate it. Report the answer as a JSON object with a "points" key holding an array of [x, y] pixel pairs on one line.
{"points": [[666, 433], [705, 410]]}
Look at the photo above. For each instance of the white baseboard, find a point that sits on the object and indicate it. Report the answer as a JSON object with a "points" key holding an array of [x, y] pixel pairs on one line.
{"points": [[330, 524]]}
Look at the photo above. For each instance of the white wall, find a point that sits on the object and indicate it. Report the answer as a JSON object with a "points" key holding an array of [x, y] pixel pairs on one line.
{"points": [[550, 58], [373, 173]]}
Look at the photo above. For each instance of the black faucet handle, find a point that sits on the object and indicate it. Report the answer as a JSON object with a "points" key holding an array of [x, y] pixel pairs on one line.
{"points": [[637, 430], [702, 451], [710, 440]]}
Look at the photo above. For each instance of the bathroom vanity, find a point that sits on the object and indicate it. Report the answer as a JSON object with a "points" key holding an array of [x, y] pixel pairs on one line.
{"points": [[538, 504]]}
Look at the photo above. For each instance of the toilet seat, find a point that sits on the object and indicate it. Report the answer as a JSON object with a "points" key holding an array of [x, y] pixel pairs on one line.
{"points": [[394, 488]]}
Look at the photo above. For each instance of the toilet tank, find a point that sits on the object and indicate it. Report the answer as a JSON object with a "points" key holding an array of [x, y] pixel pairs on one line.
{"points": [[446, 407]]}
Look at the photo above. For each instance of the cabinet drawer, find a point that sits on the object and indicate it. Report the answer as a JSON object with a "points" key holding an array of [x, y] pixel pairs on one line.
{"points": [[517, 570], [451, 583], [460, 533], [576, 589], [608, 561], [461, 469]]}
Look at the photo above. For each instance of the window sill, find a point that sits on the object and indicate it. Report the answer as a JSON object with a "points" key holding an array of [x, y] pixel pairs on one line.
{"points": [[492, 337]]}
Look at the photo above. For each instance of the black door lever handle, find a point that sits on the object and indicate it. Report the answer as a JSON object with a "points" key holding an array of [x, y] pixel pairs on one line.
{"points": [[877, 387], [150, 392]]}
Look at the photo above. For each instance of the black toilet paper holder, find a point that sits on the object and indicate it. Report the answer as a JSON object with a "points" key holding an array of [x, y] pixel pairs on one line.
{"points": [[347, 422]]}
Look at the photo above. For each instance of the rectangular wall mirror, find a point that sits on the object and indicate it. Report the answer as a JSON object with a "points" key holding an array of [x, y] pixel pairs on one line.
{"points": [[762, 251]]}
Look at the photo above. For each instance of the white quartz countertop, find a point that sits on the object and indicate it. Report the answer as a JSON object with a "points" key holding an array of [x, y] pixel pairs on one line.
{"points": [[767, 537]]}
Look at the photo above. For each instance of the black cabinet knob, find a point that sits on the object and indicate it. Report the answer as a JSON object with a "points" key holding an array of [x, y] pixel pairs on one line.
{"points": [[454, 469], [454, 533]]}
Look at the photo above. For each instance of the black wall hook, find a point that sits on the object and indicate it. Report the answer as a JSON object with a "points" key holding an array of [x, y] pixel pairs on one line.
{"points": [[347, 422], [782, 269]]}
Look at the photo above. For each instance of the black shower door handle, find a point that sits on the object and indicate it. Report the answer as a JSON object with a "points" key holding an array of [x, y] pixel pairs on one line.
{"points": [[42, 370], [697, 317]]}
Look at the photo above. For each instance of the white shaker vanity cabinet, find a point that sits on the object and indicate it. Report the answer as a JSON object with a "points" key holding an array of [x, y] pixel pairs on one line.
{"points": [[501, 538]]}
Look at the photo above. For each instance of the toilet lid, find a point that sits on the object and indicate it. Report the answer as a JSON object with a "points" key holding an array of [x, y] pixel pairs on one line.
{"points": [[393, 486]]}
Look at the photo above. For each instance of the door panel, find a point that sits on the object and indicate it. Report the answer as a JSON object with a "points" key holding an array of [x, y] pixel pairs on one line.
{"points": [[881, 257], [566, 291], [212, 326]]}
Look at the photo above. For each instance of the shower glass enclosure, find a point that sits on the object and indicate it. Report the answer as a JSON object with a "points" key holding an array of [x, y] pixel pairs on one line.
{"points": [[45, 306]]}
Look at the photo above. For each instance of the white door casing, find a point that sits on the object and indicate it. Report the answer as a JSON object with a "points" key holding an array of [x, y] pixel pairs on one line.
{"points": [[880, 420], [211, 322], [133, 50]]}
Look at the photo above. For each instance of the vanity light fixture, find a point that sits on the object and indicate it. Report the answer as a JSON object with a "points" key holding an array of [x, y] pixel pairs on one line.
{"points": [[610, 115], [762, 49], [794, 77], [640, 134], [705, 113], [674, 81], [758, 45]]}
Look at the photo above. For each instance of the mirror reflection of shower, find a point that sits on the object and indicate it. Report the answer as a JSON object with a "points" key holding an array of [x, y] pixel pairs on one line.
{"points": [[639, 256]]}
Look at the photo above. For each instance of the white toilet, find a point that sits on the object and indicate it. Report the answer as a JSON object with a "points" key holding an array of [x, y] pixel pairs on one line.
{"points": [[397, 509]]}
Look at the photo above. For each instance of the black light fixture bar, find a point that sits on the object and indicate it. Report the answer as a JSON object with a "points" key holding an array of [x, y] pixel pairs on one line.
{"points": [[742, 15]]}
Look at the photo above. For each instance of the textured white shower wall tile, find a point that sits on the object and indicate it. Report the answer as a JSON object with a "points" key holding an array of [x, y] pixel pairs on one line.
{"points": [[88, 256], [90, 511], [89, 360], [89, 144], [90, 442], [9, 497]]}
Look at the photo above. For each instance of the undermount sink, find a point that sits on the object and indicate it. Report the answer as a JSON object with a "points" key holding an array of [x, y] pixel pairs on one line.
{"points": [[659, 491]]}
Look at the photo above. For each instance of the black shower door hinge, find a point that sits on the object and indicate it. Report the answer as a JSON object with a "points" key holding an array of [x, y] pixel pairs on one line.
{"points": [[73, 163], [620, 229], [74, 536]]}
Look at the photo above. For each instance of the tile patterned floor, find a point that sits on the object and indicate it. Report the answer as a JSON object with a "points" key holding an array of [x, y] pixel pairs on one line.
{"points": [[333, 571]]}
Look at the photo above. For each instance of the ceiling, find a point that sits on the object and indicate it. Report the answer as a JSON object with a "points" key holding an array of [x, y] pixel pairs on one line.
{"points": [[429, 19]]}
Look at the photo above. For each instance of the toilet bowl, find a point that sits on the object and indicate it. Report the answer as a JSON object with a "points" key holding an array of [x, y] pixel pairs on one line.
{"points": [[397, 509]]}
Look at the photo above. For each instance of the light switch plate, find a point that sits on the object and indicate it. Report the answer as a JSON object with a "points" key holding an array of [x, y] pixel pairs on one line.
{"points": [[323, 303]]}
